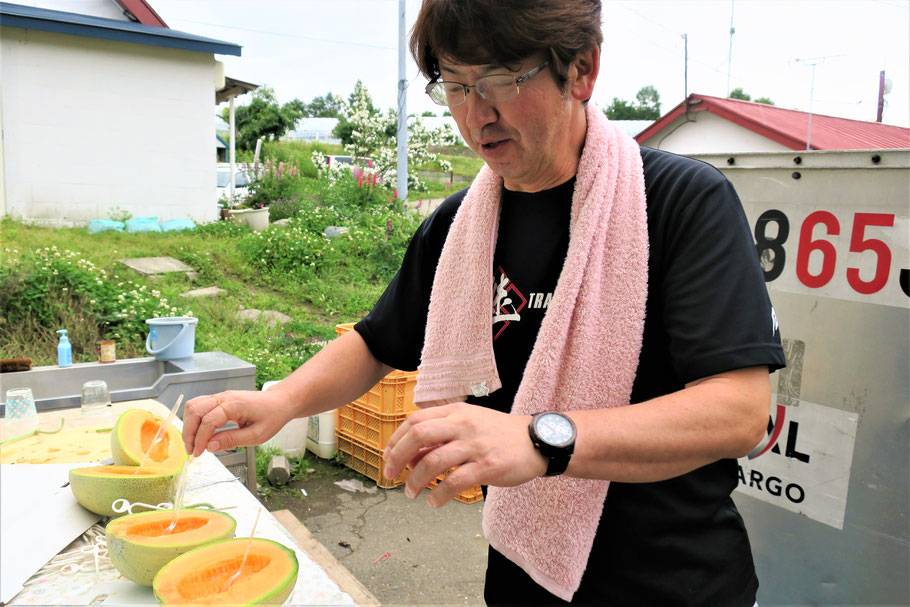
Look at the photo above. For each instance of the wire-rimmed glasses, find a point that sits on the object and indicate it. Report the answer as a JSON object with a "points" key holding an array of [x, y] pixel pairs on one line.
{"points": [[495, 87]]}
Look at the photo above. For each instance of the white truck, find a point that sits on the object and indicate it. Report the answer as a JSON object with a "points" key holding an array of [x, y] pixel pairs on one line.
{"points": [[825, 496]]}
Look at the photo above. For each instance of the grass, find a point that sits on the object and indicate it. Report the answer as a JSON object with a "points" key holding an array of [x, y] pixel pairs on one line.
{"points": [[34, 304]]}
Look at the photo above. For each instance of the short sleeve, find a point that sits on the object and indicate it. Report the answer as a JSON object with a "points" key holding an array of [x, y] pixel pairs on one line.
{"points": [[714, 305], [394, 328]]}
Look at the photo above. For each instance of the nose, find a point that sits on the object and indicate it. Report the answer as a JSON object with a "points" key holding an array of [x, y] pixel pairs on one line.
{"points": [[478, 113]]}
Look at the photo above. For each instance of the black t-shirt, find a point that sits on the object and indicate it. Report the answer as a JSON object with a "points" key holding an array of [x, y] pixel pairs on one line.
{"points": [[679, 541]]}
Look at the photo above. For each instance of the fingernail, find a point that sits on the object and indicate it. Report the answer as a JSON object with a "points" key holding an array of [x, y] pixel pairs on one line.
{"points": [[409, 492], [214, 446], [387, 471]]}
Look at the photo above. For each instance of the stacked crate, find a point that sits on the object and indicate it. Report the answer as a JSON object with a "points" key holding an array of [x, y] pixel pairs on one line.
{"points": [[365, 426]]}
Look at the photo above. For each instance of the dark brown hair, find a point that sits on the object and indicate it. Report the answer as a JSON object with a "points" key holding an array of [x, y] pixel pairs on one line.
{"points": [[476, 32]]}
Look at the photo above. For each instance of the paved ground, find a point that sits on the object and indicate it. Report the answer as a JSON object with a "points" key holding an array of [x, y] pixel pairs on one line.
{"points": [[436, 556]]}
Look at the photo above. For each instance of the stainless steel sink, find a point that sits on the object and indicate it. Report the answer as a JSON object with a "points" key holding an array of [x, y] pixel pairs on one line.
{"points": [[134, 378]]}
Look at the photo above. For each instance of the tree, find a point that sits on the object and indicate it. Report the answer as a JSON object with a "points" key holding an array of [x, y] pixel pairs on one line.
{"points": [[646, 108], [373, 134], [263, 117], [328, 106], [428, 114], [739, 93]]}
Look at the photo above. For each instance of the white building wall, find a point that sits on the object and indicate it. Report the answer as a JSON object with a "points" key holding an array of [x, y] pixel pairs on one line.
{"points": [[91, 124], [96, 8], [708, 133]]}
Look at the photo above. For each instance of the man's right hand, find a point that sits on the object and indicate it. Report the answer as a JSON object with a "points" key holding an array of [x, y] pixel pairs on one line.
{"points": [[259, 415]]}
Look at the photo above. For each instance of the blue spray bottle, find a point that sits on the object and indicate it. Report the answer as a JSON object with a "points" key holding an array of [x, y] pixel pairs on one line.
{"points": [[64, 350]]}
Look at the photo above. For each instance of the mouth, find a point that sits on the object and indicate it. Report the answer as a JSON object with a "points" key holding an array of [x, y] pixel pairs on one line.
{"points": [[492, 145]]}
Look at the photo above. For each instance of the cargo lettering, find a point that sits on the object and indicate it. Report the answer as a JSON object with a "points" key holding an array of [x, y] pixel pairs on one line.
{"points": [[773, 485], [804, 464]]}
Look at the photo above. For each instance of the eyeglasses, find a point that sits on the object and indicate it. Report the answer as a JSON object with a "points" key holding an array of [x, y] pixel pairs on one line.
{"points": [[495, 87]]}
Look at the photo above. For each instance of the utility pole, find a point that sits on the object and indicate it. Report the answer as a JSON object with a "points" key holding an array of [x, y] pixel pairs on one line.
{"points": [[685, 38], [881, 95], [402, 105], [813, 63], [730, 52]]}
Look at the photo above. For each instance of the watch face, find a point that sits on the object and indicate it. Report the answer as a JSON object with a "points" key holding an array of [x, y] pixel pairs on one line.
{"points": [[554, 429]]}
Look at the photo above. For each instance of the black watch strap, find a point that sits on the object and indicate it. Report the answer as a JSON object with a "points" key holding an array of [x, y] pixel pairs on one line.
{"points": [[558, 464]]}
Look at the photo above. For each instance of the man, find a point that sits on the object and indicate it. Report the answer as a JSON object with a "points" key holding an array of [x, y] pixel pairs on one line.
{"points": [[615, 276]]}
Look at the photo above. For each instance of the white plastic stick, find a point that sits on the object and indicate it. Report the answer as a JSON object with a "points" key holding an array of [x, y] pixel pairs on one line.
{"points": [[178, 496], [227, 585], [161, 428]]}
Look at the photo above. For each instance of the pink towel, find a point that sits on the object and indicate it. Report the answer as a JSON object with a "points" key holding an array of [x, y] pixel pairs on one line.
{"points": [[586, 352]]}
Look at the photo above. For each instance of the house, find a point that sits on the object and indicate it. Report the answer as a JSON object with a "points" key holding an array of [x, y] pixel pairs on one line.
{"points": [[105, 108], [702, 124]]}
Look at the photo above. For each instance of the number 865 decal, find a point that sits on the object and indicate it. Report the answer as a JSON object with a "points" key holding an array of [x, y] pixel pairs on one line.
{"points": [[815, 242]]}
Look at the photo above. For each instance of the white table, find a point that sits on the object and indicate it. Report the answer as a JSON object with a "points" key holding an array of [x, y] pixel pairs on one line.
{"points": [[321, 579]]}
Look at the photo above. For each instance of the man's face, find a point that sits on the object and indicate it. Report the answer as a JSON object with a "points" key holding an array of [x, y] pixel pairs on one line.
{"points": [[534, 140]]}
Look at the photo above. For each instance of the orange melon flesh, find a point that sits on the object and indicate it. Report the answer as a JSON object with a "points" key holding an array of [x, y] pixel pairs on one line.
{"points": [[149, 528], [133, 435], [140, 544], [198, 577]]}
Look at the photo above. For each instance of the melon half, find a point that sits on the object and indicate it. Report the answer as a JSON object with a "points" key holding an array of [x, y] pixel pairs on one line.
{"points": [[133, 435], [141, 544], [199, 576], [98, 487]]}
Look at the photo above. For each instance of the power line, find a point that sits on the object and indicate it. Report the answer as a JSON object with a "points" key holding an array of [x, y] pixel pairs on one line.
{"points": [[288, 35]]}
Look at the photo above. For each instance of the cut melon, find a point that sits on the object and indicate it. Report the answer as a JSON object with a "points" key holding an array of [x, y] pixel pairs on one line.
{"points": [[140, 544], [97, 487], [199, 576], [133, 435]]}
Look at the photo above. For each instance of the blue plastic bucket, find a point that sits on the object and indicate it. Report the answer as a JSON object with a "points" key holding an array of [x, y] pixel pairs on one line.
{"points": [[171, 337]]}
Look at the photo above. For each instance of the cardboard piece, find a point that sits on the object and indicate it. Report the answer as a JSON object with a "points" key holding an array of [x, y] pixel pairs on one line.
{"points": [[34, 493]]}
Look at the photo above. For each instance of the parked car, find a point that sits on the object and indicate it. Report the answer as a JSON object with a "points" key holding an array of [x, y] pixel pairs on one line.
{"points": [[349, 160], [223, 180]]}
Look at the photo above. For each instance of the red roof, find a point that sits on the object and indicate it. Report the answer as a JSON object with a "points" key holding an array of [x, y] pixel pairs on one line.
{"points": [[789, 127], [142, 12]]}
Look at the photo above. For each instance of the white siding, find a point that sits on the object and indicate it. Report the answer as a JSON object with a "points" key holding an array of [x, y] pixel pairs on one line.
{"points": [[91, 124], [710, 134], [96, 8]]}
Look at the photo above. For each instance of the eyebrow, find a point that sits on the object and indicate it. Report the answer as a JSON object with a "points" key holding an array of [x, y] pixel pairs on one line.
{"points": [[489, 67]]}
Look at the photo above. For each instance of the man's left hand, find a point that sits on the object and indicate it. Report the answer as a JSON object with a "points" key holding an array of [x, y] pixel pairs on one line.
{"points": [[487, 446]]}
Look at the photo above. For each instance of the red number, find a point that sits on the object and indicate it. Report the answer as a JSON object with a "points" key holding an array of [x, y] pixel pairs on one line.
{"points": [[807, 245], [859, 244]]}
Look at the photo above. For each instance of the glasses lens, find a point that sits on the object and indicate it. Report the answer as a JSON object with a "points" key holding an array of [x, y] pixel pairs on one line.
{"points": [[446, 93], [498, 87]]}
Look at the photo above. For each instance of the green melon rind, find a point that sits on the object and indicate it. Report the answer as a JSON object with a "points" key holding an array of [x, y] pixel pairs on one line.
{"points": [[121, 455], [98, 493], [140, 563], [276, 596]]}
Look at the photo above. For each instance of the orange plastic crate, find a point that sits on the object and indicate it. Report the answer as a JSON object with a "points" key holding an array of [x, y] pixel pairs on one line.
{"points": [[468, 496], [393, 395], [358, 456], [372, 429]]}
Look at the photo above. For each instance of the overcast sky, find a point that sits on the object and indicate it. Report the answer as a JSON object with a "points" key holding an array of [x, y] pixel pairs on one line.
{"points": [[305, 48]]}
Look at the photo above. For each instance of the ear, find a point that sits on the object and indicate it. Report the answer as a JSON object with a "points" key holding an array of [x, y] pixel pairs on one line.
{"points": [[586, 66]]}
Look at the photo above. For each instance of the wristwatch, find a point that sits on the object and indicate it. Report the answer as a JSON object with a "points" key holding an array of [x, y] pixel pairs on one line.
{"points": [[553, 434]]}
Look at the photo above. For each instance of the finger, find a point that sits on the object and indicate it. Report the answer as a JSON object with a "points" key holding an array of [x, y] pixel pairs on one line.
{"points": [[455, 482], [228, 439], [435, 463], [190, 424], [418, 437], [413, 419], [211, 421]]}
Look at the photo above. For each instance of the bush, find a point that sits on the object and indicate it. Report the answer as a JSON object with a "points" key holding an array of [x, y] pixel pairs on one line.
{"points": [[44, 286]]}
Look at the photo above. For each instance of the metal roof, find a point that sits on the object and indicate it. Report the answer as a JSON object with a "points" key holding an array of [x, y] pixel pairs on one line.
{"points": [[29, 17], [789, 127]]}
